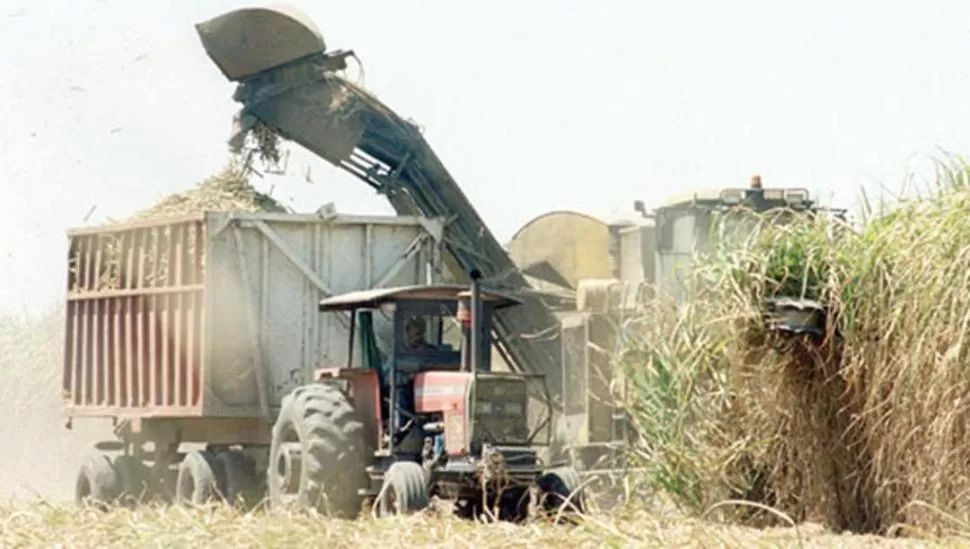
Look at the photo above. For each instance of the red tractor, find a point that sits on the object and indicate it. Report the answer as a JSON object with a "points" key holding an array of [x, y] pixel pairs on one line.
{"points": [[429, 419]]}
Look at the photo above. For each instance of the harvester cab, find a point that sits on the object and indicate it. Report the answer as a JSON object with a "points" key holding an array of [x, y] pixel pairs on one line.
{"points": [[700, 221], [440, 422]]}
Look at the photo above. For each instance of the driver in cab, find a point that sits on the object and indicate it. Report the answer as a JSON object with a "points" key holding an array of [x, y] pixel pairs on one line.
{"points": [[414, 339], [414, 329]]}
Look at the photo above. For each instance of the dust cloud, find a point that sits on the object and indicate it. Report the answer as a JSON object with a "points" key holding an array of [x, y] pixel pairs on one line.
{"points": [[39, 456]]}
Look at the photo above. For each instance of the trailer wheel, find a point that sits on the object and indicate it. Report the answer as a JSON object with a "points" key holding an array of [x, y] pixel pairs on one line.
{"points": [[560, 489], [98, 483], [405, 489], [319, 452], [133, 484], [198, 479], [240, 486]]}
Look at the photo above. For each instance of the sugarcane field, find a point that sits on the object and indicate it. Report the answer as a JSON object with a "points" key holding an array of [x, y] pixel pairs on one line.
{"points": [[518, 275]]}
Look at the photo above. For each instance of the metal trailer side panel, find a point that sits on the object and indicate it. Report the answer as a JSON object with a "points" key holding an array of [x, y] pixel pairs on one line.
{"points": [[133, 309], [263, 287], [159, 314]]}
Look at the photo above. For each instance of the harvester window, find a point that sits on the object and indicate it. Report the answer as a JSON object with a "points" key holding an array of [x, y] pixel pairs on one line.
{"points": [[665, 230], [732, 229], [703, 225]]}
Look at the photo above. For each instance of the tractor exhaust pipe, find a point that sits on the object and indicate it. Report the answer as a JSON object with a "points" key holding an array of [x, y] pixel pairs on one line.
{"points": [[476, 323], [464, 317]]}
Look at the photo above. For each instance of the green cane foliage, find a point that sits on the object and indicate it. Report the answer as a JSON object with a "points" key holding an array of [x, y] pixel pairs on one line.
{"points": [[849, 431]]}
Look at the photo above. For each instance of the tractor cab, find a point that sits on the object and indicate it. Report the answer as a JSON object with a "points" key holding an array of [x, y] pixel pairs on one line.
{"points": [[435, 393], [429, 399], [430, 328]]}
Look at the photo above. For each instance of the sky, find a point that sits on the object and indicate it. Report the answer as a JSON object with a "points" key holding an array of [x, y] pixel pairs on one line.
{"points": [[532, 107]]}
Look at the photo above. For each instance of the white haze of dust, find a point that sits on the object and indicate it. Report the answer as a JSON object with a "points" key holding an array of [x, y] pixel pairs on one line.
{"points": [[39, 456]]}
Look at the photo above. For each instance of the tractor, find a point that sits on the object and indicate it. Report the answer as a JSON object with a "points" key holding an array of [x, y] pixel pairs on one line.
{"points": [[428, 420]]}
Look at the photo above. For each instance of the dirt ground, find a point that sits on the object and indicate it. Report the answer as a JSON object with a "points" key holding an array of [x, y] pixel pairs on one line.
{"points": [[40, 455]]}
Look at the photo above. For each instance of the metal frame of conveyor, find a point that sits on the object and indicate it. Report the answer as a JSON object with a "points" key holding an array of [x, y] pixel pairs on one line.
{"points": [[306, 102]]}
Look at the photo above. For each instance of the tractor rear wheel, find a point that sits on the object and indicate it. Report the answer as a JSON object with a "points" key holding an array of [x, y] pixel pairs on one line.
{"points": [[319, 452], [405, 489], [561, 489], [199, 479], [98, 483]]}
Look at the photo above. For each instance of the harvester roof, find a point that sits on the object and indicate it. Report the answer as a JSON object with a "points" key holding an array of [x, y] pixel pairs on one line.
{"points": [[794, 197], [368, 299], [686, 199]]}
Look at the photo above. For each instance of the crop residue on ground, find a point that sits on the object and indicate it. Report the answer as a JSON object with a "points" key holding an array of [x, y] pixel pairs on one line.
{"points": [[220, 527]]}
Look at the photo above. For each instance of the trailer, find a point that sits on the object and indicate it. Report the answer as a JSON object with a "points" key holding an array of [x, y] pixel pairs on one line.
{"points": [[190, 330]]}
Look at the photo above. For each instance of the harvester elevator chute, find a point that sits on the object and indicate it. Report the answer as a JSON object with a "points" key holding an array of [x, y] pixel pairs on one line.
{"points": [[287, 80]]}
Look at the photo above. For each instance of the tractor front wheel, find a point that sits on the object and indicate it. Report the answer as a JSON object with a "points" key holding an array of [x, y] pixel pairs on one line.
{"points": [[405, 489], [319, 452], [514, 504], [561, 489], [199, 479]]}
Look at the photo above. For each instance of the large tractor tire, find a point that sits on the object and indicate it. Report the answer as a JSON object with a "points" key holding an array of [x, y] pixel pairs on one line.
{"points": [[560, 489], [319, 452], [98, 484], [405, 489], [199, 479]]}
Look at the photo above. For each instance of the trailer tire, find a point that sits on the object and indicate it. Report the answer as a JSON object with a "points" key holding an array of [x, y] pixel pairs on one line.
{"points": [[97, 484], [133, 486], [240, 477], [405, 489], [561, 489], [319, 452], [199, 479]]}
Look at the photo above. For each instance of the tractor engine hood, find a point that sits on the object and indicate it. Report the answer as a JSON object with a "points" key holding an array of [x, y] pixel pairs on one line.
{"points": [[248, 41]]}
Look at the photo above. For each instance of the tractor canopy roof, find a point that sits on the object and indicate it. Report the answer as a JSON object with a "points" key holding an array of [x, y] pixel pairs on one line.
{"points": [[374, 298]]}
